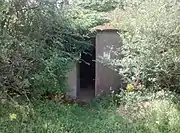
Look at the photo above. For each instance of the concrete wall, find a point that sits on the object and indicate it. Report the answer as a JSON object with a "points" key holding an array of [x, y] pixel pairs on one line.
{"points": [[73, 81], [106, 78]]}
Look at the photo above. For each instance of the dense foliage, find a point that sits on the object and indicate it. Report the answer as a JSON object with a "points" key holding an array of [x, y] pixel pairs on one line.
{"points": [[150, 51], [97, 5], [39, 41]]}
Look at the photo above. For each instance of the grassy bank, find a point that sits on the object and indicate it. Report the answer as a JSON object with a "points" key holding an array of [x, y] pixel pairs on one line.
{"points": [[139, 116], [48, 117]]}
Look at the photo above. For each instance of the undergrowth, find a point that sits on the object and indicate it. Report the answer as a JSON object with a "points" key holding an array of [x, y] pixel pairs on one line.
{"points": [[139, 113], [48, 117], [150, 112]]}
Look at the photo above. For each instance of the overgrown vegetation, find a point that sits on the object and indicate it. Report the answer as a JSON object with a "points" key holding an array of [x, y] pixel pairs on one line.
{"points": [[150, 50], [48, 117], [150, 112], [41, 39], [156, 115], [97, 5]]}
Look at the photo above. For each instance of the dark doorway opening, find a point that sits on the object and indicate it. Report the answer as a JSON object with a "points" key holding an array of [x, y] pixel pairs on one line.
{"points": [[87, 73]]}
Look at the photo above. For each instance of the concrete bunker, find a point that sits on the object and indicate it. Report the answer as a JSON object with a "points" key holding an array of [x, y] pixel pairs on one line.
{"points": [[90, 77]]}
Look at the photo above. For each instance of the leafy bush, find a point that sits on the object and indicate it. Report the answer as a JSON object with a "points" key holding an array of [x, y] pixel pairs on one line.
{"points": [[97, 5], [39, 42], [86, 18], [150, 112], [150, 51]]}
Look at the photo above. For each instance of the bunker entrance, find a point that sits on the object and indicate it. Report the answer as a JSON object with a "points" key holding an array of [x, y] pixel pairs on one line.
{"points": [[87, 73]]}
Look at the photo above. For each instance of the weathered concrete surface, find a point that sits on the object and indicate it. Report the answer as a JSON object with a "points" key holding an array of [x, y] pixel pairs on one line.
{"points": [[106, 78], [73, 81]]}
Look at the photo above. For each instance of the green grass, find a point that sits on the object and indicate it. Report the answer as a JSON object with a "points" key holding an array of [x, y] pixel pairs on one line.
{"points": [[160, 116], [48, 117]]}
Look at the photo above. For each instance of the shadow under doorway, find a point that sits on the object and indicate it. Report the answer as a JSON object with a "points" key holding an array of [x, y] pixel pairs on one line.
{"points": [[87, 73]]}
